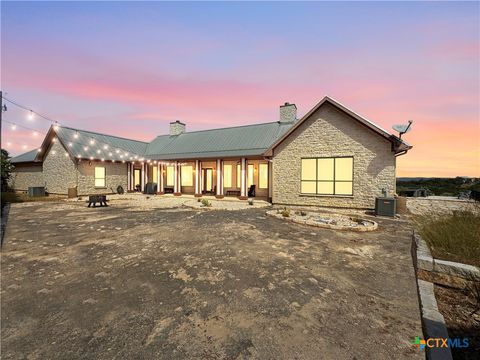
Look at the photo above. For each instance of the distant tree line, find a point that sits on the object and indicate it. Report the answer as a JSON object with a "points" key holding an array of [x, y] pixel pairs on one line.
{"points": [[440, 186]]}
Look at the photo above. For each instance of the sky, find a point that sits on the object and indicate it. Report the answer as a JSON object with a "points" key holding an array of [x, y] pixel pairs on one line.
{"points": [[130, 68]]}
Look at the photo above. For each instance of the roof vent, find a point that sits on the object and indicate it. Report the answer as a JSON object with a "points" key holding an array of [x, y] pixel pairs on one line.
{"points": [[177, 128], [288, 113]]}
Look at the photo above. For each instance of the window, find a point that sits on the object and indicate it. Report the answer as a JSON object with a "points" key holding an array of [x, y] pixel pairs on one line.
{"points": [[154, 174], [250, 172], [227, 176], [170, 175], [99, 176], [327, 176], [187, 175], [239, 176], [263, 176]]}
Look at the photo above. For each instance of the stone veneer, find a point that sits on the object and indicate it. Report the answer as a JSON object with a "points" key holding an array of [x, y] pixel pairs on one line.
{"points": [[25, 176], [61, 172], [330, 132]]}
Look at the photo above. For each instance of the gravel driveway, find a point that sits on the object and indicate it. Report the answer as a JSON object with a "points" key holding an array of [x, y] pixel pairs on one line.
{"points": [[125, 283]]}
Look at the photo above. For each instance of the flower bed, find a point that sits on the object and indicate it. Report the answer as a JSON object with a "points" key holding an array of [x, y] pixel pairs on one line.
{"points": [[329, 221]]}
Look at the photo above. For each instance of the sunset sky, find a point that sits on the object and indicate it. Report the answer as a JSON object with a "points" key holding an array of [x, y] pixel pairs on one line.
{"points": [[128, 69]]}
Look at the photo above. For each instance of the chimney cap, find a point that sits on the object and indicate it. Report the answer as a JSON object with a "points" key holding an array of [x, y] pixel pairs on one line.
{"points": [[288, 104], [177, 122]]}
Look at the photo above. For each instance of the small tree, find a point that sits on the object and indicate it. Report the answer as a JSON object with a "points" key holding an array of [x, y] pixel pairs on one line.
{"points": [[7, 169]]}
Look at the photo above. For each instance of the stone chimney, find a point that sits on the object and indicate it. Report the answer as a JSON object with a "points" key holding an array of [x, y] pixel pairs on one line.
{"points": [[288, 113], [177, 128]]}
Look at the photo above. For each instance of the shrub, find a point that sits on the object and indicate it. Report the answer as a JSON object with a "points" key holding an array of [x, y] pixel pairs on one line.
{"points": [[206, 203], [250, 202], [454, 237], [285, 212]]}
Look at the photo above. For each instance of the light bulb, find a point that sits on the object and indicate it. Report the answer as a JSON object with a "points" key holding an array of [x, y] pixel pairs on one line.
{"points": [[75, 135], [92, 142], [13, 127], [35, 133], [30, 115], [110, 154], [98, 151], [85, 148], [105, 147]]}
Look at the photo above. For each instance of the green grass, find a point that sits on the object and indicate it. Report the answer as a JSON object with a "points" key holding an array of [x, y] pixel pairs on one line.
{"points": [[453, 237]]}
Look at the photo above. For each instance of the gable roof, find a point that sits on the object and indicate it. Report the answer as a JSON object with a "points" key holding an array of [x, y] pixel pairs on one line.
{"points": [[247, 140], [238, 141], [398, 145], [29, 156]]}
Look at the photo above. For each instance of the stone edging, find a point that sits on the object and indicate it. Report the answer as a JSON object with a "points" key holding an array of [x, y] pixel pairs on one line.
{"points": [[273, 213], [433, 323], [424, 261]]}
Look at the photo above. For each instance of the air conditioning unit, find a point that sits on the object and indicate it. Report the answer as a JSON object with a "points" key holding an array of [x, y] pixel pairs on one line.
{"points": [[385, 206], [35, 191]]}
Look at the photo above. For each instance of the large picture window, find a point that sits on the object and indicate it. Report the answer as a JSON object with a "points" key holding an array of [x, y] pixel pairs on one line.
{"points": [[100, 176], [227, 176], [170, 175], [250, 174], [263, 176], [187, 175], [154, 174], [239, 176], [327, 176]]}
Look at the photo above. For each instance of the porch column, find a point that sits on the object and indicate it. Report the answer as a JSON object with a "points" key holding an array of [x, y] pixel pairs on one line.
{"points": [[198, 176], [159, 189], [270, 180], [177, 189], [243, 178], [219, 193], [129, 174], [142, 180]]}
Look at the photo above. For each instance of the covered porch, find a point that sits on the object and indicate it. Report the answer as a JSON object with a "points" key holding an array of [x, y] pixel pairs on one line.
{"points": [[238, 177]]}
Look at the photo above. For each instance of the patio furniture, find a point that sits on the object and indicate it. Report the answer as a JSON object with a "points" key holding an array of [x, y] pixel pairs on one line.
{"points": [[233, 192], [168, 190], [251, 191], [94, 199]]}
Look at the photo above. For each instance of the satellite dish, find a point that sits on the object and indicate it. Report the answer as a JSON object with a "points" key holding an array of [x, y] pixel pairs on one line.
{"points": [[402, 128]]}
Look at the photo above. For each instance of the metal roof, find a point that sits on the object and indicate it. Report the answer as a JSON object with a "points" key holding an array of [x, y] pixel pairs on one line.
{"points": [[125, 146], [247, 140], [26, 157]]}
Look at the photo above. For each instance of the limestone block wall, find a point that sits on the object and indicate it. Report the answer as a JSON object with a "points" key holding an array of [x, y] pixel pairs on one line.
{"points": [[27, 175], [116, 174], [329, 132], [439, 205], [59, 171]]}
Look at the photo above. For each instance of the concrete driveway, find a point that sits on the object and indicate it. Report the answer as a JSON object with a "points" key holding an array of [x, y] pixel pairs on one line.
{"points": [[124, 283]]}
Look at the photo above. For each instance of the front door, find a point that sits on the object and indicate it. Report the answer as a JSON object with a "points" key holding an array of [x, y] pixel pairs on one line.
{"points": [[207, 175], [137, 182]]}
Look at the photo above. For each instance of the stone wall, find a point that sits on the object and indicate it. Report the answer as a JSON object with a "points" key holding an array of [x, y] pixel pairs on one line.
{"points": [[26, 175], [438, 205], [329, 132], [59, 171], [116, 174]]}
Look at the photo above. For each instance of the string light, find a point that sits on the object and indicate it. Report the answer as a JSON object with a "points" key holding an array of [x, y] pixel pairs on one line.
{"points": [[56, 126]]}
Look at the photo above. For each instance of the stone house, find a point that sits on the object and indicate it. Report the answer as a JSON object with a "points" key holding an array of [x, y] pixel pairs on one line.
{"points": [[329, 157]]}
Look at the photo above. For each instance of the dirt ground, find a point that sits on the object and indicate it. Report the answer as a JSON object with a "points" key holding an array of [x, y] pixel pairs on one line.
{"points": [[458, 308], [126, 283]]}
